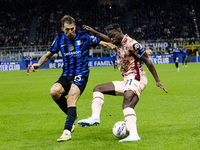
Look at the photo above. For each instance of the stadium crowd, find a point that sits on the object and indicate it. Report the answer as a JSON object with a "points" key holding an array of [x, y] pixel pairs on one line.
{"points": [[85, 12], [14, 22], [169, 20], [151, 20]]}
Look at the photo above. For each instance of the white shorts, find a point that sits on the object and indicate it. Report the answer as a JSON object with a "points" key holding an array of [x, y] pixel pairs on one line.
{"points": [[130, 83]]}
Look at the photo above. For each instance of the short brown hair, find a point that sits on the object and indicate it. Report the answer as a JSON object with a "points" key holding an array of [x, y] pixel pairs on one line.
{"points": [[67, 19]]}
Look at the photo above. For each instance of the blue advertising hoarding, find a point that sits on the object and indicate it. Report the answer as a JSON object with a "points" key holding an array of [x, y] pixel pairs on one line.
{"points": [[93, 62]]}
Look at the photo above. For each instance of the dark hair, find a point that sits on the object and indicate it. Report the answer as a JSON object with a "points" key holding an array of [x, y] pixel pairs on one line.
{"points": [[67, 19], [113, 26]]}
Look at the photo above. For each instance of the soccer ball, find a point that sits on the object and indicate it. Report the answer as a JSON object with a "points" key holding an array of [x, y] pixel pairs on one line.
{"points": [[119, 130]]}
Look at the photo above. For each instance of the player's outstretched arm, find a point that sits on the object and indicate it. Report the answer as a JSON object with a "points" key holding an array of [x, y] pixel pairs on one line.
{"points": [[152, 69], [42, 60], [102, 36], [108, 45]]}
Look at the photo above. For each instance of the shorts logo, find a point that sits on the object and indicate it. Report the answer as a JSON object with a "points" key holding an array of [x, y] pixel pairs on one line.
{"points": [[135, 84]]}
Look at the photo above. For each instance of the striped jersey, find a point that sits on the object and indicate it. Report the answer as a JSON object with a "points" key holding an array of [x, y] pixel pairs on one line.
{"points": [[114, 55], [175, 53], [184, 51], [75, 52], [27, 59], [129, 62]]}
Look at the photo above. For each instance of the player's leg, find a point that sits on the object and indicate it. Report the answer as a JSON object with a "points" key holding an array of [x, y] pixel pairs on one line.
{"points": [[176, 63], [186, 61], [110, 88], [133, 89], [76, 89], [113, 64], [73, 95], [58, 94], [27, 68], [129, 103], [183, 58]]}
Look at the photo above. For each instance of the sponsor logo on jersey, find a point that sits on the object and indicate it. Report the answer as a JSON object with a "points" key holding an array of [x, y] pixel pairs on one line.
{"points": [[73, 53]]}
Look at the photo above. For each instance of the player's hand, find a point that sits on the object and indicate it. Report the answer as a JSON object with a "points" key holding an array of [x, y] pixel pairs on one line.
{"points": [[85, 27], [161, 86], [34, 67]]}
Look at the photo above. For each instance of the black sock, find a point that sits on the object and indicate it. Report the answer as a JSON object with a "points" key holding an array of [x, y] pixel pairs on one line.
{"points": [[62, 103], [71, 117], [176, 65]]}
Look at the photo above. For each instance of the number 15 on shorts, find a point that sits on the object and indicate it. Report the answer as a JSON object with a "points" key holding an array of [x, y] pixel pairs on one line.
{"points": [[77, 78]]}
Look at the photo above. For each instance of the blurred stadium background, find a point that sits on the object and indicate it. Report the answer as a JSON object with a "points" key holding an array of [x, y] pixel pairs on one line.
{"points": [[31, 26]]}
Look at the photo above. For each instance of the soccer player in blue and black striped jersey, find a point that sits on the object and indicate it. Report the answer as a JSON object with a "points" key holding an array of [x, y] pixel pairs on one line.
{"points": [[74, 47], [175, 51], [28, 59], [184, 57], [114, 59]]}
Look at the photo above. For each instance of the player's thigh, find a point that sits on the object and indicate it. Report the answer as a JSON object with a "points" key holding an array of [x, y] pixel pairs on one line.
{"points": [[105, 88], [119, 87], [56, 91], [73, 95]]}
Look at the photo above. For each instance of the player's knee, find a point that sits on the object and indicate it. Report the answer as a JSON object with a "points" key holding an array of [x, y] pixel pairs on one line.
{"points": [[128, 104], [130, 99], [55, 93], [99, 88]]}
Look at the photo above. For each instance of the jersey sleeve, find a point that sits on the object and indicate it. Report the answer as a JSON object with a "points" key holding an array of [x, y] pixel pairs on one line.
{"points": [[93, 41], [55, 46]]}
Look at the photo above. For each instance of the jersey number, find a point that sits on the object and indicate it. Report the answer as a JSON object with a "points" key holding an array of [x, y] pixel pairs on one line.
{"points": [[128, 82]]}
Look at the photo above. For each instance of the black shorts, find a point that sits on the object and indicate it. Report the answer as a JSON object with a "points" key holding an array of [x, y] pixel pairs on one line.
{"points": [[79, 80]]}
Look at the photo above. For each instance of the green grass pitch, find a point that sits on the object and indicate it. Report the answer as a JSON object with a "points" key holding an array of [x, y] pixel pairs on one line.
{"points": [[30, 119]]}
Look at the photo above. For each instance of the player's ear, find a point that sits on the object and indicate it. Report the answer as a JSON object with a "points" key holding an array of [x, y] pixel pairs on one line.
{"points": [[62, 29]]}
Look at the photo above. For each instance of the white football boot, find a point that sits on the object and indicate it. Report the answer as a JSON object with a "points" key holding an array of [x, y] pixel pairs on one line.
{"points": [[65, 136], [89, 122], [130, 138]]}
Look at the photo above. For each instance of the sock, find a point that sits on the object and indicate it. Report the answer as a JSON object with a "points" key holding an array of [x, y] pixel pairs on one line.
{"points": [[130, 120], [176, 65], [97, 103], [62, 103], [71, 117]]}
